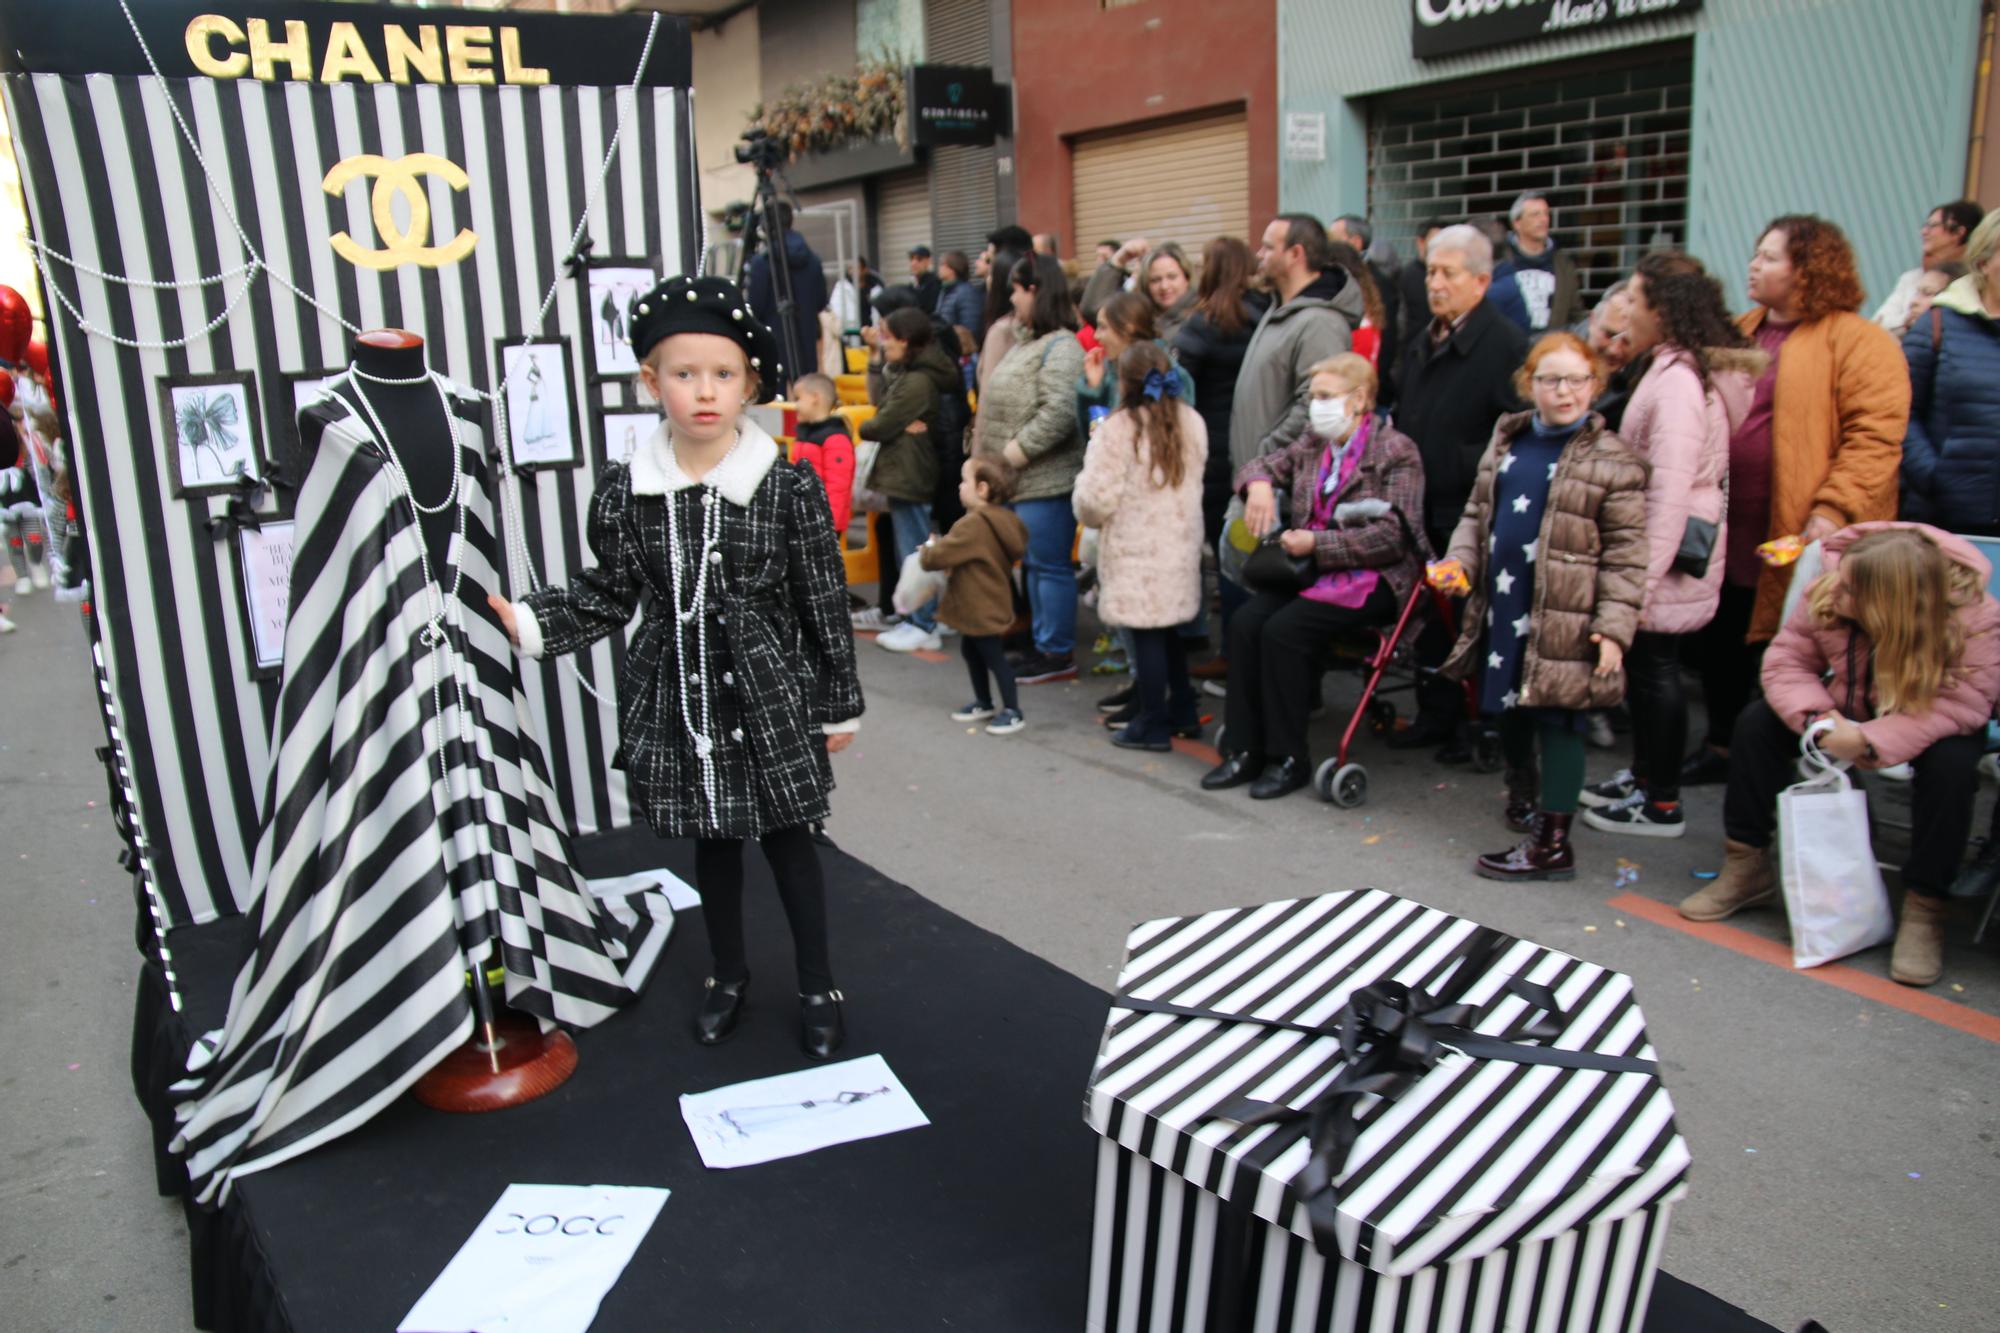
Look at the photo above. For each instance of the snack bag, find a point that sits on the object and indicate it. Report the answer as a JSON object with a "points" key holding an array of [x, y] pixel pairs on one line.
{"points": [[1780, 551], [1448, 576]]}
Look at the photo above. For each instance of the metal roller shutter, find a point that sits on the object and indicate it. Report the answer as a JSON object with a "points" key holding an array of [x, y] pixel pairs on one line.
{"points": [[1187, 182], [962, 199], [902, 220]]}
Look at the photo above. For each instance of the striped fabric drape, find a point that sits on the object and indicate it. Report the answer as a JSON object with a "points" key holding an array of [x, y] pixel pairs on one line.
{"points": [[1477, 1158], [110, 182], [408, 831]]}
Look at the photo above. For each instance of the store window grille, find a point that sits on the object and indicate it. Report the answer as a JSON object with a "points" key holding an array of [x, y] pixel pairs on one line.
{"points": [[1608, 144]]}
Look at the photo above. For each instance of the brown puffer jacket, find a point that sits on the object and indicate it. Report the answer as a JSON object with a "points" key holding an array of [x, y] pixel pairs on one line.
{"points": [[1590, 571]]}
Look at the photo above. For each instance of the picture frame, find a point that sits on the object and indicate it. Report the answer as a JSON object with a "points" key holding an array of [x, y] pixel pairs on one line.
{"points": [[620, 430], [610, 286], [302, 386], [542, 423], [263, 575], [213, 432]]}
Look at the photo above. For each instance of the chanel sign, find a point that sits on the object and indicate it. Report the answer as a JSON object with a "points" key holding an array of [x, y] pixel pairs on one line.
{"points": [[1449, 27]]}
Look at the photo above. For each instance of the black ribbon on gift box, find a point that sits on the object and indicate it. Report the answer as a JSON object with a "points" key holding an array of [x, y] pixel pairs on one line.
{"points": [[1390, 1035]]}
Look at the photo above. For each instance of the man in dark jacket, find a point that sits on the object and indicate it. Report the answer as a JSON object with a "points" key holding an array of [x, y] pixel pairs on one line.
{"points": [[1536, 283], [924, 280], [809, 295], [1457, 380]]}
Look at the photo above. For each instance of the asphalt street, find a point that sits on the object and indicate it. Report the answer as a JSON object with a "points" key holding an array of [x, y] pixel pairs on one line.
{"points": [[1846, 1131]]}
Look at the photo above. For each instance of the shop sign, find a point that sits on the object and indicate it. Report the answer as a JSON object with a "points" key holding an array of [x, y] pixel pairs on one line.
{"points": [[1451, 27], [951, 104]]}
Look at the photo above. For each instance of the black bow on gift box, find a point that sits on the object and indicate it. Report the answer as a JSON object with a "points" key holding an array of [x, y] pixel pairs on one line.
{"points": [[1390, 1035]]}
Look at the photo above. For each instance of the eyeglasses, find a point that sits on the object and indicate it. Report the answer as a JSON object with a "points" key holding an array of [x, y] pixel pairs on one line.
{"points": [[1555, 381]]}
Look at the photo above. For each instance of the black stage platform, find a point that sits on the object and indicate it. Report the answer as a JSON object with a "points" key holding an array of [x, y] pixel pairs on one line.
{"points": [[980, 1222]]}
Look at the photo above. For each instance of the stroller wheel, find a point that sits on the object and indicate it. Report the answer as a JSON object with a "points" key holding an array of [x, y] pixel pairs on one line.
{"points": [[1346, 786], [1382, 716], [1486, 755]]}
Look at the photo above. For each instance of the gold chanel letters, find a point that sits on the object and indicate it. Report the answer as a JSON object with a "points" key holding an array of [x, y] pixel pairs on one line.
{"points": [[393, 178], [223, 49]]}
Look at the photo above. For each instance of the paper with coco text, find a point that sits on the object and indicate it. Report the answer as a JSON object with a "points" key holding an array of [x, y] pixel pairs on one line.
{"points": [[540, 1261]]}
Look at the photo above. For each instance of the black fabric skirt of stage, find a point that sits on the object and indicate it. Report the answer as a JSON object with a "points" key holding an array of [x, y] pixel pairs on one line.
{"points": [[978, 1223]]}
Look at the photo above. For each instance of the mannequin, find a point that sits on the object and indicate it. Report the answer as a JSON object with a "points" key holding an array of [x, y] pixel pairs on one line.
{"points": [[409, 827]]}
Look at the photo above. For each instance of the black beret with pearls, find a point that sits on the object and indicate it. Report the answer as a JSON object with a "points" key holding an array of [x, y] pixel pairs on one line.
{"points": [[708, 305]]}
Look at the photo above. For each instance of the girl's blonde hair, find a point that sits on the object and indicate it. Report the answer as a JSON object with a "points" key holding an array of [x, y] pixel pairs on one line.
{"points": [[1906, 594]]}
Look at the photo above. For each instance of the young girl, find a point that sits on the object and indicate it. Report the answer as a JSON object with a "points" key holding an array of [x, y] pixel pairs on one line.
{"points": [[1141, 485], [740, 682], [906, 470], [980, 551], [1898, 646], [1553, 550]]}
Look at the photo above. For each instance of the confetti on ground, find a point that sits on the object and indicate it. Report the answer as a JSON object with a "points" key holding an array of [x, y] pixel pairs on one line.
{"points": [[1916, 1175], [1590, 930], [1619, 924], [1960, 989], [972, 731], [1703, 874], [1371, 840], [90, 805], [1750, 1150], [74, 1068], [1442, 786], [1628, 873]]}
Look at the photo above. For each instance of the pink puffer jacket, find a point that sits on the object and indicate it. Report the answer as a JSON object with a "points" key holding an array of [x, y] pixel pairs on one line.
{"points": [[1683, 434], [1798, 686]]}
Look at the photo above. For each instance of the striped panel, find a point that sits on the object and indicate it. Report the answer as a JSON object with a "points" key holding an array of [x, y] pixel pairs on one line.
{"points": [[109, 180], [1475, 1156], [1157, 1266]]}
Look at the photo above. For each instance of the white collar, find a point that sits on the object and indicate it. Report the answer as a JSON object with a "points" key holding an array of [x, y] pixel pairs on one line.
{"points": [[655, 470]]}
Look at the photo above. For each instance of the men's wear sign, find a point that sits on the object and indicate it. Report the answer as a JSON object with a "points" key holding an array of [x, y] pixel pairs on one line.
{"points": [[1449, 27]]}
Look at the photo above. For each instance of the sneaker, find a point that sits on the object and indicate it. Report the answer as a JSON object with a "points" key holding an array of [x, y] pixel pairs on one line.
{"points": [[38, 570], [1218, 688], [1598, 731], [1639, 817], [7, 626], [973, 712], [1042, 668], [1117, 699], [947, 631], [1006, 722], [23, 587], [1618, 788], [1110, 666], [869, 620], [909, 637]]}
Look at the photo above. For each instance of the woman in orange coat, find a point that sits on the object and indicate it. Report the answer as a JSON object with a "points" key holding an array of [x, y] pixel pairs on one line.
{"points": [[1818, 452]]}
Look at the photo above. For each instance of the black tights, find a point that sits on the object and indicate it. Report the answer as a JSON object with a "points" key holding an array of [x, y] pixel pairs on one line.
{"points": [[718, 873], [985, 662]]}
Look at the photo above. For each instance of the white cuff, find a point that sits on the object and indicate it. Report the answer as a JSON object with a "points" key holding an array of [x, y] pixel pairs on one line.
{"points": [[528, 629], [847, 728]]}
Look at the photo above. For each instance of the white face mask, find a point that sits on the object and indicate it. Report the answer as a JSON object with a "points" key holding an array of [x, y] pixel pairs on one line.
{"points": [[1329, 417]]}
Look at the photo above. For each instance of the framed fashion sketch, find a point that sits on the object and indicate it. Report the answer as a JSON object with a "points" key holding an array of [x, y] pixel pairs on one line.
{"points": [[610, 289], [621, 430], [264, 568], [541, 407], [305, 387], [214, 439]]}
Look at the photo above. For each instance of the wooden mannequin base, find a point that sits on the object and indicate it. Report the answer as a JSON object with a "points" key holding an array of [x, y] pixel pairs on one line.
{"points": [[523, 1065]]}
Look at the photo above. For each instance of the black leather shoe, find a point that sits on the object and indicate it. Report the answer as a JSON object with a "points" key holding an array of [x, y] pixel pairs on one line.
{"points": [[1233, 771], [821, 1031], [721, 1006], [1704, 768], [1283, 780], [1129, 739]]}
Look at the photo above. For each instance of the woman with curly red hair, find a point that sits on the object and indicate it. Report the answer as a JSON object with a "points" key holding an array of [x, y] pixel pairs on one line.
{"points": [[1818, 452]]}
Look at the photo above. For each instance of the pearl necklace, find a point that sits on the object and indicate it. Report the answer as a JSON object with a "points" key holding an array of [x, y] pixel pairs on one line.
{"points": [[691, 610], [445, 608]]}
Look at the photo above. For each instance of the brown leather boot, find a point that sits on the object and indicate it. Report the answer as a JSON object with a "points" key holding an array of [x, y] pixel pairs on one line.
{"points": [[1544, 854], [1745, 881], [1524, 789], [1918, 958]]}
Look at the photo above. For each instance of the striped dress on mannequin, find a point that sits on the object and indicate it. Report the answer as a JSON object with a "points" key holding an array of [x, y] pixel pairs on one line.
{"points": [[376, 879]]}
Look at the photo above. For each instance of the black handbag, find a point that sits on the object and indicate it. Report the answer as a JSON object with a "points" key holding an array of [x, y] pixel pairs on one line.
{"points": [[1270, 568], [1697, 548]]}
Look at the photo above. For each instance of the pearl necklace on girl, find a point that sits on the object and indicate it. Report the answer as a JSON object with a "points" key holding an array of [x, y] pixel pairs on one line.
{"points": [[707, 563]]}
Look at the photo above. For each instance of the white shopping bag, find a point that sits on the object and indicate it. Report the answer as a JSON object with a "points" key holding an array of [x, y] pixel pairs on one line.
{"points": [[917, 587], [1833, 888]]}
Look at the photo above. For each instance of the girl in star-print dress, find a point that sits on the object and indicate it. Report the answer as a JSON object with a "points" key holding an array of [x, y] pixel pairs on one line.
{"points": [[740, 681], [1553, 545]]}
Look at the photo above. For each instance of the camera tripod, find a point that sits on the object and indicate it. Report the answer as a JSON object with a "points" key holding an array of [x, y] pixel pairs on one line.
{"points": [[766, 225]]}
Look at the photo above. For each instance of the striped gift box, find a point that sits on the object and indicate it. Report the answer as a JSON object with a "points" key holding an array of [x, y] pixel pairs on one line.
{"points": [[1489, 1193]]}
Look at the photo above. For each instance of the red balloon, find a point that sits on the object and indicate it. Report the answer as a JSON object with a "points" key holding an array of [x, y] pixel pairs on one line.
{"points": [[6, 389], [38, 358], [17, 324]]}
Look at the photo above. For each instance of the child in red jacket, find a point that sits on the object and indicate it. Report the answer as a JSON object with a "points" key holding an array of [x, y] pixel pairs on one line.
{"points": [[825, 446]]}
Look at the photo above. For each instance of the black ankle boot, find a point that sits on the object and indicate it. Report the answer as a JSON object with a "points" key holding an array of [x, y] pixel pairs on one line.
{"points": [[821, 1031], [721, 1006]]}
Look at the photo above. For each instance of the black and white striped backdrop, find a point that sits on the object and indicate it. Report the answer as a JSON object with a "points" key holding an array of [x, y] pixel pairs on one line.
{"points": [[110, 182], [1570, 1173]]}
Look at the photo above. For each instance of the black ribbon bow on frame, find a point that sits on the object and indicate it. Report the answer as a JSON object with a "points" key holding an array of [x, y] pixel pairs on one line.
{"points": [[241, 511], [1390, 1035]]}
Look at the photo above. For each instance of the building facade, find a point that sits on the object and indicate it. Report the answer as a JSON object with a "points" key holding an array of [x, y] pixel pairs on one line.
{"points": [[1153, 118], [1690, 126]]}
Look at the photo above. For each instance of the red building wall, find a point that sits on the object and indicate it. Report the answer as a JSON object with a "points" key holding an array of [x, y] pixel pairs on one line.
{"points": [[1080, 67]]}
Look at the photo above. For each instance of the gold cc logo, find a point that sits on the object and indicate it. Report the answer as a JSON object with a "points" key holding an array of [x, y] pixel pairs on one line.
{"points": [[400, 177]]}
